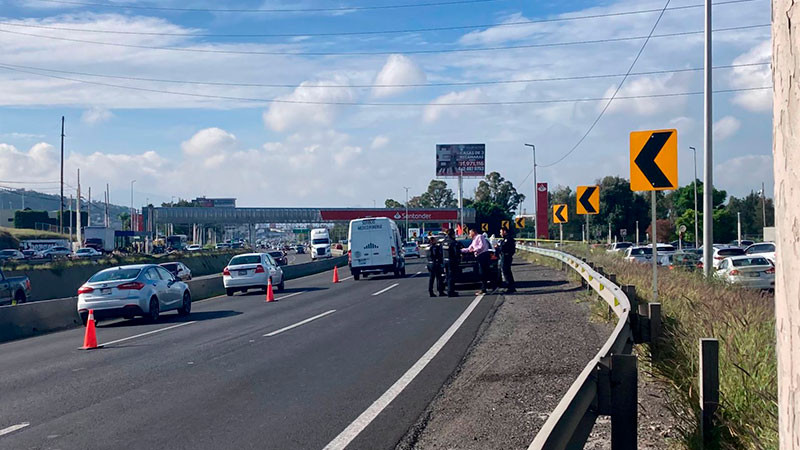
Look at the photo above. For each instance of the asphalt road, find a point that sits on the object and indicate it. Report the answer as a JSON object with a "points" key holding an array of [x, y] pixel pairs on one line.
{"points": [[242, 373]]}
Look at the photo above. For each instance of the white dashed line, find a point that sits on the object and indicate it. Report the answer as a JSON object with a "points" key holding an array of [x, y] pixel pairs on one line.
{"points": [[183, 324], [14, 428], [345, 279], [357, 426], [302, 322], [386, 289], [290, 295]]}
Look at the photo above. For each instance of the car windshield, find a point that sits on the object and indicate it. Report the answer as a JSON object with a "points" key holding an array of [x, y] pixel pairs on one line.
{"points": [[171, 267], [244, 259], [8, 252], [730, 252], [744, 262], [411, 245], [115, 275], [761, 248], [641, 251], [320, 241], [84, 250], [624, 244]]}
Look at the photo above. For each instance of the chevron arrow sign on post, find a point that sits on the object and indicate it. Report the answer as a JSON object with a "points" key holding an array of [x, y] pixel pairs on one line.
{"points": [[654, 160], [560, 214], [588, 199]]}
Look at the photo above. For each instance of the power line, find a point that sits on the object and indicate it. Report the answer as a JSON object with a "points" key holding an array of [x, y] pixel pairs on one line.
{"points": [[367, 32], [380, 52], [267, 10], [310, 102], [358, 86], [616, 91]]}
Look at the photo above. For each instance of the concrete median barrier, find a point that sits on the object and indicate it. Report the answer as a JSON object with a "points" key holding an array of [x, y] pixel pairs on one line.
{"points": [[46, 316]]}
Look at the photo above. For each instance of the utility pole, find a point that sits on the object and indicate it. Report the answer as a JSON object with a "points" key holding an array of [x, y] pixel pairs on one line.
{"points": [[694, 182], [739, 229], [708, 163], [89, 209], [785, 107], [637, 232], [61, 205], [108, 199], [132, 210], [78, 207], [535, 195], [406, 238], [70, 220], [763, 207]]}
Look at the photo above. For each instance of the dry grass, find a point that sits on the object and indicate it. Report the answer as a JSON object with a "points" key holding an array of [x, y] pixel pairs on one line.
{"points": [[742, 320]]}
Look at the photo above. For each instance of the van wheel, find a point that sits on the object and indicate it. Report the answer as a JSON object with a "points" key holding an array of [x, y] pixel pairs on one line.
{"points": [[19, 297], [356, 276]]}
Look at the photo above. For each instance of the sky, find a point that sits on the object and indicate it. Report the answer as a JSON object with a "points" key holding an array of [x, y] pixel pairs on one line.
{"points": [[340, 103]]}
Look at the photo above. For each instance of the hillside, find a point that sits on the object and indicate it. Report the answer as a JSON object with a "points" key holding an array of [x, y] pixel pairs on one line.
{"points": [[13, 198]]}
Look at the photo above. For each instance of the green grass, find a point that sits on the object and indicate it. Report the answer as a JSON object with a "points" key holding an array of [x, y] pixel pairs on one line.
{"points": [[743, 322]]}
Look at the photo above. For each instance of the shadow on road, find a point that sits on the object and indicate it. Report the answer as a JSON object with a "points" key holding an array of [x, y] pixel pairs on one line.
{"points": [[540, 283], [169, 318]]}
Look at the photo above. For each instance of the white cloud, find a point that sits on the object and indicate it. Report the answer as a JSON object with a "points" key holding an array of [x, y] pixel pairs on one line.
{"points": [[380, 141], [753, 76], [399, 69], [726, 127], [433, 112], [96, 115], [208, 142], [284, 116], [742, 174], [644, 86]]}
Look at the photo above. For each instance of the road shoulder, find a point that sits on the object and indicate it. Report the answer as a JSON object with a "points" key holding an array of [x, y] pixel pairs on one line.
{"points": [[517, 369]]}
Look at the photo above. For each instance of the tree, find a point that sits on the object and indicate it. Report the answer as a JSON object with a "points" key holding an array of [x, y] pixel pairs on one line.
{"points": [[417, 202], [125, 218], [438, 195], [499, 191], [392, 204]]}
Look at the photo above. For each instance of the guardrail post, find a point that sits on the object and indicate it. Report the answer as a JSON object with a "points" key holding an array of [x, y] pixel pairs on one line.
{"points": [[612, 277], [709, 389], [654, 312], [624, 402]]}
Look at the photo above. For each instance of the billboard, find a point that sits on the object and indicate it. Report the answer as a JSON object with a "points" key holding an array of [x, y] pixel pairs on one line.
{"points": [[542, 215], [468, 160], [414, 215]]}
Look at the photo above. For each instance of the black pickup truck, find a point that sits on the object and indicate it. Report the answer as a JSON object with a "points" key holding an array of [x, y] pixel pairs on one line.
{"points": [[14, 289]]}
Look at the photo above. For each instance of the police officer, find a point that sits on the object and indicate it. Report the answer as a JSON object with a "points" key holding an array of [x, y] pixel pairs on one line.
{"points": [[506, 248], [452, 256], [435, 267]]}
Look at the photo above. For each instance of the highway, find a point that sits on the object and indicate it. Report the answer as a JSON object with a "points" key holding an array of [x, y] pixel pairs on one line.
{"points": [[350, 364]]}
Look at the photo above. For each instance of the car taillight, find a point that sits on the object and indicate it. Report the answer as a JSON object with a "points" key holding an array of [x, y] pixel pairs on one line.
{"points": [[225, 271], [85, 290], [259, 269], [493, 257], [28, 284], [770, 270], [734, 272], [394, 252], [719, 257], [349, 256], [133, 285]]}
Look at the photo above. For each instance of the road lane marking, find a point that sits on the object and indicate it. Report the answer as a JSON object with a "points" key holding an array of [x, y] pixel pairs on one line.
{"points": [[412, 276], [386, 289], [302, 322], [357, 426], [182, 324], [345, 279], [290, 295], [14, 428]]}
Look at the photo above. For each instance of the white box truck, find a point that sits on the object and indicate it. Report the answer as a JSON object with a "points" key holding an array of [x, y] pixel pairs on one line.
{"points": [[320, 243], [375, 247], [99, 238]]}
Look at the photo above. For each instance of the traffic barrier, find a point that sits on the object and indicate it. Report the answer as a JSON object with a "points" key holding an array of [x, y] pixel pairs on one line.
{"points": [[90, 337], [270, 293], [608, 383], [47, 316]]}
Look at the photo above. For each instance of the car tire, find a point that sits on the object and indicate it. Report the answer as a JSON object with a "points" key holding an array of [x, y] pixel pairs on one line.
{"points": [[84, 318], [356, 275], [281, 286], [186, 306], [229, 292], [154, 310], [19, 297]]}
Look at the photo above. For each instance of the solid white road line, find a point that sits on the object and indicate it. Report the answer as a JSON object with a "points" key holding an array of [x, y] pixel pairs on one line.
{"points": [[14, 428], [345, 279], [357, 426], [302, 322], [290, 295], [182, 324], [384, 290]]}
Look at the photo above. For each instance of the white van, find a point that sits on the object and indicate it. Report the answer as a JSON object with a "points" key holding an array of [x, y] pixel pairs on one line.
{"points": [[375, 247], [320, 243]]}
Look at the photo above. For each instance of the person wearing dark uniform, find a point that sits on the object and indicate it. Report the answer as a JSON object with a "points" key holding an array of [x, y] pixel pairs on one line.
{"points": [[435, 267], [452, 255], [506, 248]]}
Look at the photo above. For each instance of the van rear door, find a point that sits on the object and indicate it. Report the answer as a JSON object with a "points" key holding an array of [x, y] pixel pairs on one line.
{"points": [[370, 243]]}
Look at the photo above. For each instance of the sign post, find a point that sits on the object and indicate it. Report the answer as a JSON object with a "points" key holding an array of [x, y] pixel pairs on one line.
{"points": [[654, 167], [588, 204], [560, 217], [459, 161]]}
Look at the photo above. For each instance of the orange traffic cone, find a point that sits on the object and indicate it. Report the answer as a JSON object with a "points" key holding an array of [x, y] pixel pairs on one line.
{"points": [[335, 274], [270, 294], [90, 338]]}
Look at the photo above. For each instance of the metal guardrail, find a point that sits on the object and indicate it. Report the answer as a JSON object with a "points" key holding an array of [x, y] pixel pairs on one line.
{"points": [[608, 383]]}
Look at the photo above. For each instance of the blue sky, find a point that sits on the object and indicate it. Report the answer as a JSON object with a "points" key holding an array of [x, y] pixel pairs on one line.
{"points": [[286, 154]]}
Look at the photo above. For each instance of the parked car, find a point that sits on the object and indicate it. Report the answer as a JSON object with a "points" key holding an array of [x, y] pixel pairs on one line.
{"points": [[749, 271], [411, 249], [645, 253], [279, 256], [86, 252], [193, 248], [468, 267], [743, 244], [135, 290], [251, 271], [30, 254], [222, 245], [724, 252], [620, 247], [56, 252], [10, 254], [178, 269], [14, 289], [300, 249], [679, 260], [765, 249]]}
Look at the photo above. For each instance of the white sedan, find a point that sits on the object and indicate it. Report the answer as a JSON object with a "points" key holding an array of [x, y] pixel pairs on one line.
{"points": [[765, 249], [251, 271], [749, 271], [193, 248], [86, 252]]}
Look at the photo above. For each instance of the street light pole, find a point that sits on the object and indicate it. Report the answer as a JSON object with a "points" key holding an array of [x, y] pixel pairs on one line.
{"points": [[694, 182], [535, 194], [406, 238], [132, 210], [708, 164]]}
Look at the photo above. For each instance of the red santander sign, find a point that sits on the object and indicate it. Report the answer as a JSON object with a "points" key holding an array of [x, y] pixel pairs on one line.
{"points": [[414, 215]]}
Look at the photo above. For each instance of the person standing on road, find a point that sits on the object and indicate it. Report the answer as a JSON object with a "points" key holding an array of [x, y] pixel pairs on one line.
{"points": [[435, 267], [480, 248], [451, 256], [506, 248]]}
